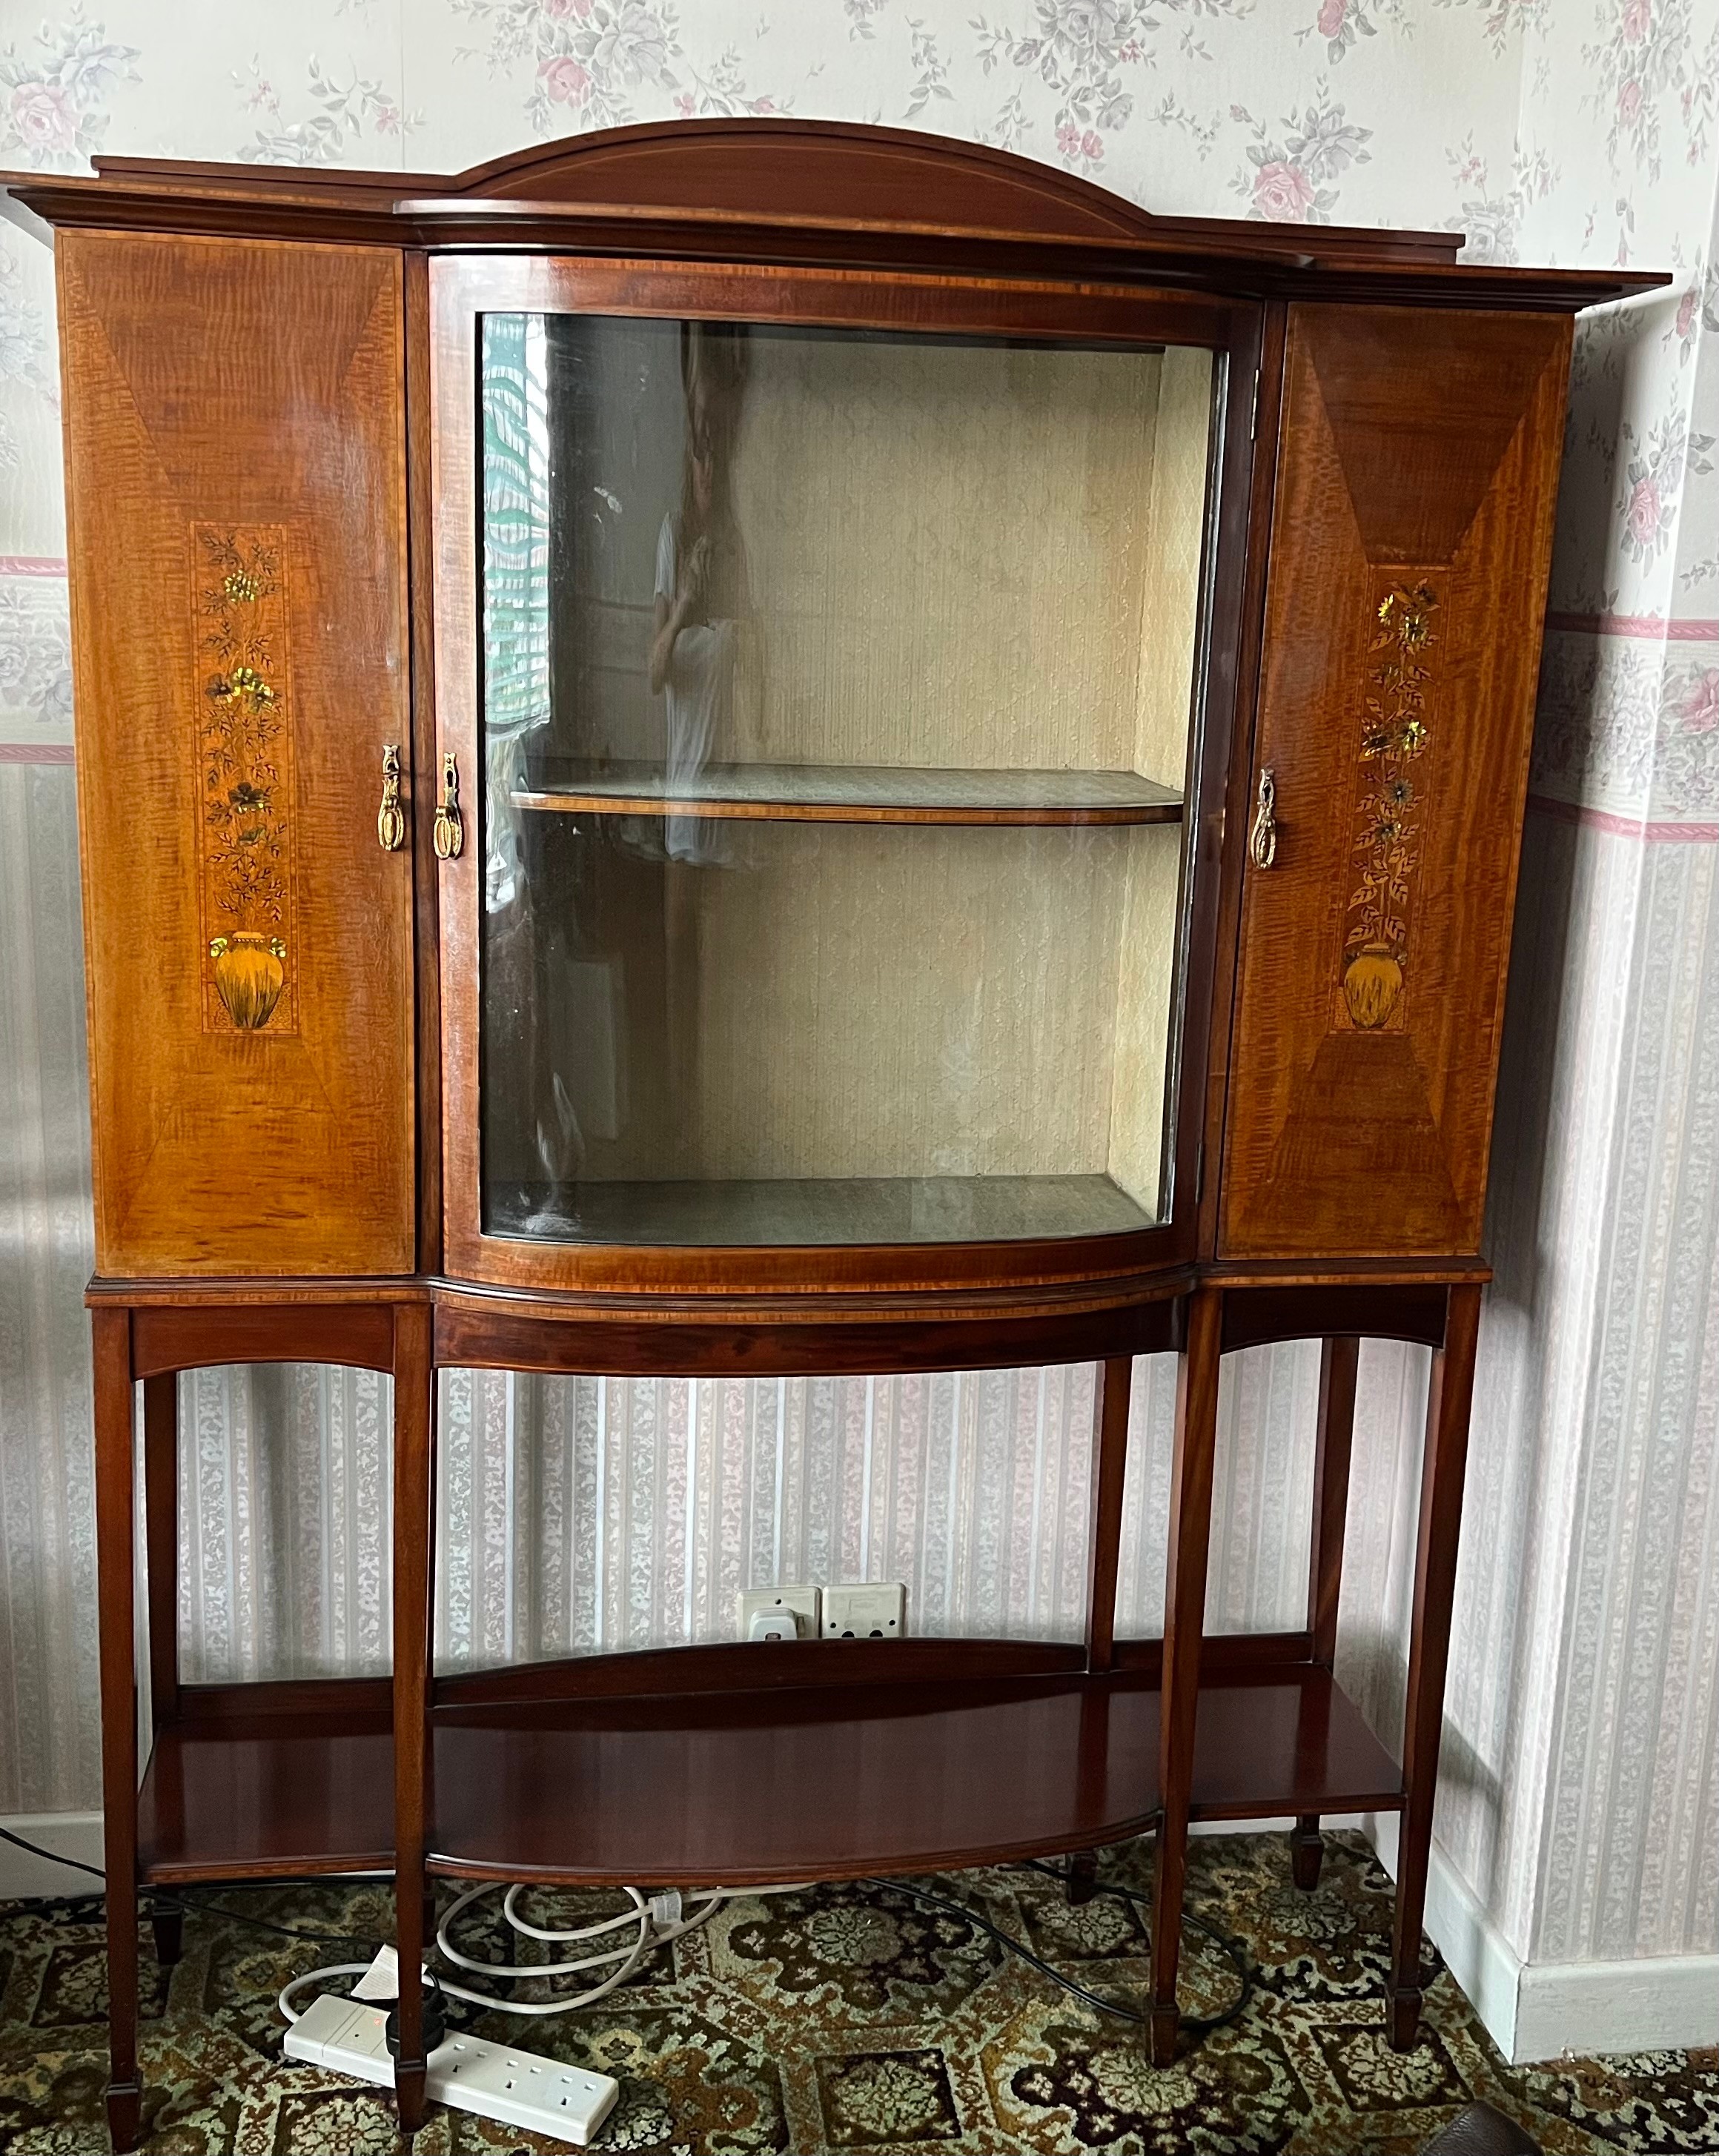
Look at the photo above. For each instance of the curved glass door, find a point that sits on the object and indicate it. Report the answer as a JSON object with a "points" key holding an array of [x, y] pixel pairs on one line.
{"points": [[836, 703]]}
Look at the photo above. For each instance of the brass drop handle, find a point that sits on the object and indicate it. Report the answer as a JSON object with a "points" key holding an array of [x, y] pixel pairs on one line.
{"points": [[390, 817], [1262, 839], [449, 831]]}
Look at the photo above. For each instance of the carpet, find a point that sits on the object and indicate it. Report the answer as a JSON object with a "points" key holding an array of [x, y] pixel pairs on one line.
{"points": [[853, 2018]]}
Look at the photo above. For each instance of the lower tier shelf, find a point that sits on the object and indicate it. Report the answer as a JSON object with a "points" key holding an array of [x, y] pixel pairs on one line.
{"points": [[268, 1795], [738, 1788]]}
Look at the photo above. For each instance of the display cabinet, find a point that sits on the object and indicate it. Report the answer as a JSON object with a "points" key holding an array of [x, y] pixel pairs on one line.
{"points": [[772, 746]]}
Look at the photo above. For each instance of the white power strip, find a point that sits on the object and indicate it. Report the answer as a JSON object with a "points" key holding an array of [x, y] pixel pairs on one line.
{"points": [[515, 2089]]}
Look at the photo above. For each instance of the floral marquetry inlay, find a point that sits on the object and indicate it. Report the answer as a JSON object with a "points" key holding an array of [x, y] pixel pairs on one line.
{"points": [[1389, 810], [245, 739]]}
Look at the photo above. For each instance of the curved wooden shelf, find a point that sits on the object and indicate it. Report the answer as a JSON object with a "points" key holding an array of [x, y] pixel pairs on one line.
{"points": [[739, 1784], [859, 794]]}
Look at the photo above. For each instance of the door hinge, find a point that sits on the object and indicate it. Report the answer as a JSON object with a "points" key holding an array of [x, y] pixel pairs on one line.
{"points": [[1253, 412]]}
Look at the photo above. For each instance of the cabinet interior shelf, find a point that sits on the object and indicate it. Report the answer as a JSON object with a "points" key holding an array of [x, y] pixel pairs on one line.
{"points": [[823, 1210], [854, 793]]}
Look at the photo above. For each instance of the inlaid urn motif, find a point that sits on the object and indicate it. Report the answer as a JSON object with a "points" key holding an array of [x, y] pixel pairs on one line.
{"points": [[250, 972]]}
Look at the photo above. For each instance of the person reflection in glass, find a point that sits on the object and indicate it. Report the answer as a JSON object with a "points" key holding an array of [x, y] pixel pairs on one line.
{"points": [[701, 597]]}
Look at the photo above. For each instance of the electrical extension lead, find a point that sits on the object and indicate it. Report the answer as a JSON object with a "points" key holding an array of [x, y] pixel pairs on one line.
{"points": [[497, 2082]]}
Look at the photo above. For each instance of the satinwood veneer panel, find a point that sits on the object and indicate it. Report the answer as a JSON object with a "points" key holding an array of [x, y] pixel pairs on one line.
{"points": [[1411, 536], [236, 461]]}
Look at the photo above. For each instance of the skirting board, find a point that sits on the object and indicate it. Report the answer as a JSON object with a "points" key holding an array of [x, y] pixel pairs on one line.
{"points": [[1547, 2011], [26, 1878]]}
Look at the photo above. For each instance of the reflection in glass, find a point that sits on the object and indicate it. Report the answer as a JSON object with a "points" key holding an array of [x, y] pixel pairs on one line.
{"points": [[836, 702]]}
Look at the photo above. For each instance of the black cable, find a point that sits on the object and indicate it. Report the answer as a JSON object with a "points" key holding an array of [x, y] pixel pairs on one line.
{"points": [[53, 1856], [264, 1924], [1198, 2024], [1015, 1946], [214, 1908]]}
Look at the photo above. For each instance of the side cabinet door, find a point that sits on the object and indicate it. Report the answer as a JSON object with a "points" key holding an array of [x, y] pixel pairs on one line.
{"points": [[236, 468], [1418, 472]]}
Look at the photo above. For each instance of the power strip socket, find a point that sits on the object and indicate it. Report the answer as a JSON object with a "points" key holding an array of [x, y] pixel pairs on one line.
{"points": [[515, 2089]]}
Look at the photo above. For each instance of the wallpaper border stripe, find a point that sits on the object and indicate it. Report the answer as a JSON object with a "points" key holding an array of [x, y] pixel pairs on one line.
{"points": [[1647, 832], [1653, 628]]}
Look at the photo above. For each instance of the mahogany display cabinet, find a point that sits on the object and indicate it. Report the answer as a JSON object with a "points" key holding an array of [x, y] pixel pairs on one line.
{"points": [[763, 746]]}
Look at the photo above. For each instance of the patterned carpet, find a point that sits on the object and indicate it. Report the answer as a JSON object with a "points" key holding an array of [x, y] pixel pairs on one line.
{"points": [[853, 2018]]}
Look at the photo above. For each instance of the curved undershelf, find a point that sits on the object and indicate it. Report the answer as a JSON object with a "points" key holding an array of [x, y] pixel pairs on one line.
{"points": [[748, 1786], [857, 793]]}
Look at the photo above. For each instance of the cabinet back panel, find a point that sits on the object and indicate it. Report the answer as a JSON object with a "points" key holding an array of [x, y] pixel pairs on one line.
{"points": [[1411, 539], [236, 514]]}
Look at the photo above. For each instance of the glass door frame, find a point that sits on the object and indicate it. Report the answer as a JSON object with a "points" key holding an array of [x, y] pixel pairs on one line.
{"points": [[462, 288]]}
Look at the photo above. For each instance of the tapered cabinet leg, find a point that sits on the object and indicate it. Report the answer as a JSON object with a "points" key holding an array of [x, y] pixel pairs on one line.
{"points": [[1184, 1621], [1338, 1361], [1449, 1401], [168, 1926], [160, 1541], [414, 1442], [1081, 1882], [115, 1528], [1109, 1469]]}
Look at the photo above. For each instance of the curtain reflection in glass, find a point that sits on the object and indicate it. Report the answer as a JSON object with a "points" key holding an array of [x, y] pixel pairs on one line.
{"points": [[701, 598], [517, 708]]}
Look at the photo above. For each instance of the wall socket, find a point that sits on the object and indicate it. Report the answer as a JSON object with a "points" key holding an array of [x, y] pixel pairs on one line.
{"points": [[865, 1611], [778, 1613]]}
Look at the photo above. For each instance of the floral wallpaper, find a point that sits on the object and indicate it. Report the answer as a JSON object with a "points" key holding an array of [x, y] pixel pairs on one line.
{"points": [[1581, 1796]]}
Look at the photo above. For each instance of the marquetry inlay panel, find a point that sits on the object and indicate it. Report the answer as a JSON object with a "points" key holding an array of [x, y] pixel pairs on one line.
{"points": [[246, 821]]}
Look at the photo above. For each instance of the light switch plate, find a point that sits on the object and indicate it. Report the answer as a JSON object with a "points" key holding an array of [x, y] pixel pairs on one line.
{"points": [[770, 1604], [866, 1611]]}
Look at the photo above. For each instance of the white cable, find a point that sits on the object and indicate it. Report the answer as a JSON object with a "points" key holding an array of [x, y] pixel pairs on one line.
{"points": [[509, 1909], [297, 1984], [651, 1934], [639, 1914]]}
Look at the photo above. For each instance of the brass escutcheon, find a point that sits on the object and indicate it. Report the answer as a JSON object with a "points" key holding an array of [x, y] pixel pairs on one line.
{"points": [[390, 817], [1262, 839], [449, 831]]}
